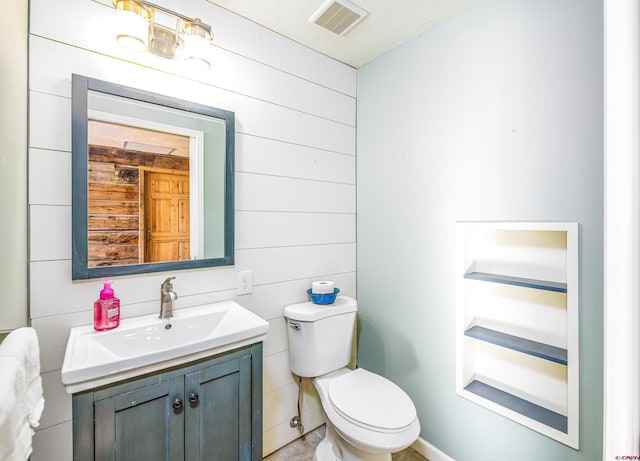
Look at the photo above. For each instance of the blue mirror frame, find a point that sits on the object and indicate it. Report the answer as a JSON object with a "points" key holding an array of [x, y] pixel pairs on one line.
{"points": [[81, 86]]}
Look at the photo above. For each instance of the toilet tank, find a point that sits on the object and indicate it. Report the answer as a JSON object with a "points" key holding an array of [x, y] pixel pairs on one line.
{"points": [[320, 336]]}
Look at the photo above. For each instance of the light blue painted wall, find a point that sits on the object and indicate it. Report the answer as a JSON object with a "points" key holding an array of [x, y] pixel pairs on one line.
{"points": [[495, 113]]}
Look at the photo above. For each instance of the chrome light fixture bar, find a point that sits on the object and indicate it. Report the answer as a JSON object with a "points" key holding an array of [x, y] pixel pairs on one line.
{"points": [[139, 30]]}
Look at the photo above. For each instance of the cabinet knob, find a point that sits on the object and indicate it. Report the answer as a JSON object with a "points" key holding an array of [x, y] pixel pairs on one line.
{"points": [[193, 398], [177, 404]]}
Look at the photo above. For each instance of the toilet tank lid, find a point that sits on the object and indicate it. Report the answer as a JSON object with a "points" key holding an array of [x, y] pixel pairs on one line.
{"points": [[309, 312]]}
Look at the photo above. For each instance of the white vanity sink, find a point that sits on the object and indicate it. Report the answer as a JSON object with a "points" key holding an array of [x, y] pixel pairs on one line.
{"points": [[145, 344]]}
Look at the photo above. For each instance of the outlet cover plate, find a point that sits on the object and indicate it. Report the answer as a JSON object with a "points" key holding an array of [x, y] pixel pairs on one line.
{"points": [[245, 282]]}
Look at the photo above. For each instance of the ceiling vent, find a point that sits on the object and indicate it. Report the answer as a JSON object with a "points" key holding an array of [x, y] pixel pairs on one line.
{"points": [[338, 17]]}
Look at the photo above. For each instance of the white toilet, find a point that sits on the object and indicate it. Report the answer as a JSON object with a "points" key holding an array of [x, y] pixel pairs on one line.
{"points": [[368, 417]]}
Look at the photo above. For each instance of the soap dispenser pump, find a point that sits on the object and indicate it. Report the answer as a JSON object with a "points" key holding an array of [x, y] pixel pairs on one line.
{"points": [[106, 310]]}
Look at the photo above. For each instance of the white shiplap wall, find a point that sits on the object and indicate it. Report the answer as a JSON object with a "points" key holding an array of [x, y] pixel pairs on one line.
{"points": [[295, 187]]}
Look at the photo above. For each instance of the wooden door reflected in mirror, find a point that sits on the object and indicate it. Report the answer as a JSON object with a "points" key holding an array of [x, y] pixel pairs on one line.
{"points": [[165, 208]]}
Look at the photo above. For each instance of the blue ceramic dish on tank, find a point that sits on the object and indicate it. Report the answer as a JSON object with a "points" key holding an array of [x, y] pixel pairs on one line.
{"points": [[326, 298]]}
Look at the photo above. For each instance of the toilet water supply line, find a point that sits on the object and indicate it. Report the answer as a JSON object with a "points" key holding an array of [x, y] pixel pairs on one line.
{"points": [[296, 421]]}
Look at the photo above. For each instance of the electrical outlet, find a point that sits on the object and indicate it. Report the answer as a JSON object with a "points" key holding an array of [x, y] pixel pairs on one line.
{"points": [[245, 282]]}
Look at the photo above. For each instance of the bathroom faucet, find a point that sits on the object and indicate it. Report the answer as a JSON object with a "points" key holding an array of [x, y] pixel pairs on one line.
{"points": [[167, 296]]}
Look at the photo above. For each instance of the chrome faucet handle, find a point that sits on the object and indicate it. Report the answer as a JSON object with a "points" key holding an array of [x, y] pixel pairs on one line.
{"points": [[167, 285]]}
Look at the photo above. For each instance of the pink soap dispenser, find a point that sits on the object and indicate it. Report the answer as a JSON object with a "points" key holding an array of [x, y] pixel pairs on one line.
{"points": [[106, 310]]}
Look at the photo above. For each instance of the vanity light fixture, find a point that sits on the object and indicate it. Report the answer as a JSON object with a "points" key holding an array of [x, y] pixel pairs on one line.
{"points": [[178, 37]]}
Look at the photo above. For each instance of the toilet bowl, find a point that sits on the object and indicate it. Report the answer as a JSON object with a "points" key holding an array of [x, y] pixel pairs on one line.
{"points": [[370, 413], [367, 416]]}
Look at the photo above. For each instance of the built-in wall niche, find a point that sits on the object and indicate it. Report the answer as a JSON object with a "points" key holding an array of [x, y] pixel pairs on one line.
{"points": [[517, 323]]}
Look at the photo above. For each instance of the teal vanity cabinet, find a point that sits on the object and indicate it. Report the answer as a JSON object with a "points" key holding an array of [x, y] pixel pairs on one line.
{"points": [[210, 409]]}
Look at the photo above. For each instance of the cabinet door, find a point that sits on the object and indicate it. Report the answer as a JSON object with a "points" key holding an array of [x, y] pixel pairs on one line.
{"points": [[218, 413], [141, 425]]}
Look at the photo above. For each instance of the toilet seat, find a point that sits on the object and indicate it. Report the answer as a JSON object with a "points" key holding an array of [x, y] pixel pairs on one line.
{"points": [[356, 396], [365, 434]]}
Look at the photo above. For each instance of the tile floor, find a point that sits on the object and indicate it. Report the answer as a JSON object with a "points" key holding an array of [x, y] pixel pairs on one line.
{"points": [[303, 449]]}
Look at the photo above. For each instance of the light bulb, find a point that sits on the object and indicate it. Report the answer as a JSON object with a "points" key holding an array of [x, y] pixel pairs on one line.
{"points": [[196, 52], [133, 25], [197, 41]]}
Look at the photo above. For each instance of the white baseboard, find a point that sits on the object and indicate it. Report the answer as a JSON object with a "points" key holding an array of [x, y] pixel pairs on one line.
{"points": [[429, 451]]}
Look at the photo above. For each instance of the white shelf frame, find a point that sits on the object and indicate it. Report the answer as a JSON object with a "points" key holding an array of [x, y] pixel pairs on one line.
{"points": [[565, 274]]}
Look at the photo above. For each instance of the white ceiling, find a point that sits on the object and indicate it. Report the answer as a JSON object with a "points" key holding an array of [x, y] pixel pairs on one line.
{"points": [[389, 23]]}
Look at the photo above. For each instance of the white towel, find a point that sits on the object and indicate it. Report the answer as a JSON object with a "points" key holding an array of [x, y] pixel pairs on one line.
{"points": [[21, 401]]}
